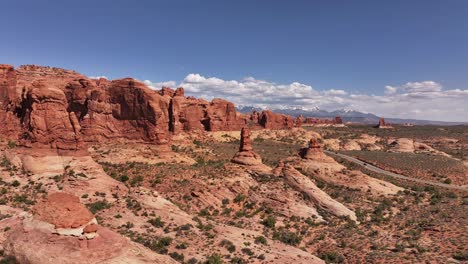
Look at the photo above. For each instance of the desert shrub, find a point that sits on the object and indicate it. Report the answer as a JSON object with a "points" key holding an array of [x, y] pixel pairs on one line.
{"points": [[123, 178], [192, 261], [156, 222], [332, 257], [247, 251], [461, 256], [159, 245], [8, 260], [287, 237], [133, 204], [238, 260], [269, 222], [15, 183], [11, 144], [137, 180], [98, 206], [228, 245], [182, 246], [177, 256], [261, 240], [214, 259], [239, 198]]}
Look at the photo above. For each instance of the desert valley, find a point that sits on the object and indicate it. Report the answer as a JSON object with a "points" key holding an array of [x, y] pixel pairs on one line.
{"points": [[111, 171]]}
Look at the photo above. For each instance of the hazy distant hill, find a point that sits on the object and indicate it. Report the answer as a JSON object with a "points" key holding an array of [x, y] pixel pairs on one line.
{"points": [[349, 116]]}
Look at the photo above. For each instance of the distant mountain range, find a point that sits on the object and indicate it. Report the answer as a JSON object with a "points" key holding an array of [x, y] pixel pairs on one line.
{"points": [[348, 116]]}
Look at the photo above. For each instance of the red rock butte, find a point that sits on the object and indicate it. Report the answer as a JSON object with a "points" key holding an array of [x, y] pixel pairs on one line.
{"points": [[62, 210], [63, 109]]}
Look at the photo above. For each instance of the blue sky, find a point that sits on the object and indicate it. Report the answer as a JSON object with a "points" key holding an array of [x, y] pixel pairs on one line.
{"points": [[356, 46]]}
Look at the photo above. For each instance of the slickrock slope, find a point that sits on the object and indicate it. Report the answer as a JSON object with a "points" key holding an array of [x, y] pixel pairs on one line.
{"points": [[409, 145], [322, 200], [63, 109]]}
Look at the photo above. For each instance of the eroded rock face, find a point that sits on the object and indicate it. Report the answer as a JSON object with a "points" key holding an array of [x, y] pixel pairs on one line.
{"points": [[246, 155], [63, 109], [270, 120]]}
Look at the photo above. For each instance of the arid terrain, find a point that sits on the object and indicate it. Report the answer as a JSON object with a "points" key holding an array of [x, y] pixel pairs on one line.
{"points": [[111, 171]]}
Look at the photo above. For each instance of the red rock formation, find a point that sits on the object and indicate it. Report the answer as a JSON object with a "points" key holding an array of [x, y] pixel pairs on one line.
{"points": [[246, 155], [10, 125], [382, 121], [338, 120], [382, 124], [271, 120], [314, 150], [63, 109], [298, 121], [320, 121], [62, 210]]}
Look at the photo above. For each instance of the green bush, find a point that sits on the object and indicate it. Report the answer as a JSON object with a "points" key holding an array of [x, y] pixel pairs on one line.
{"points": [[98, 206], [287, 237], [261, 240], [156, 222], [270, 221], [214, 259]]}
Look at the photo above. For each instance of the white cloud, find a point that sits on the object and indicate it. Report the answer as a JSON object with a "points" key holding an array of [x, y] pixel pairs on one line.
{"points": [[98, 77], [420, 100], [159, 85], [426, 86]]}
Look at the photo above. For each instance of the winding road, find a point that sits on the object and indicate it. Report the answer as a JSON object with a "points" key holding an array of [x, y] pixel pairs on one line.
{"points": [[392, 174]]}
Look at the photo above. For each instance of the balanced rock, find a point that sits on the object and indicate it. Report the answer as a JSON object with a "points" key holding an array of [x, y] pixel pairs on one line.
{"points": [[246, 155]]}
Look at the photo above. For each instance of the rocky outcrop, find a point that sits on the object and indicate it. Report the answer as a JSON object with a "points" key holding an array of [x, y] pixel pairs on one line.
{"points": [[63, 109], [299, 121], [321, 121], [312, 151], [65, 215], [270, 120], [62, 230], [382, 124], [321, 199], [246, 155]]}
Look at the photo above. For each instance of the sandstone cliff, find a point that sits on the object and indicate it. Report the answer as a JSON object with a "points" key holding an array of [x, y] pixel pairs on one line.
{"points": [[63, 109]]}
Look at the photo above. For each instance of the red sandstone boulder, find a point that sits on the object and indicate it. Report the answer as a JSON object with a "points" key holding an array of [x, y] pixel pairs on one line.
{"points": [[62, 210]]}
